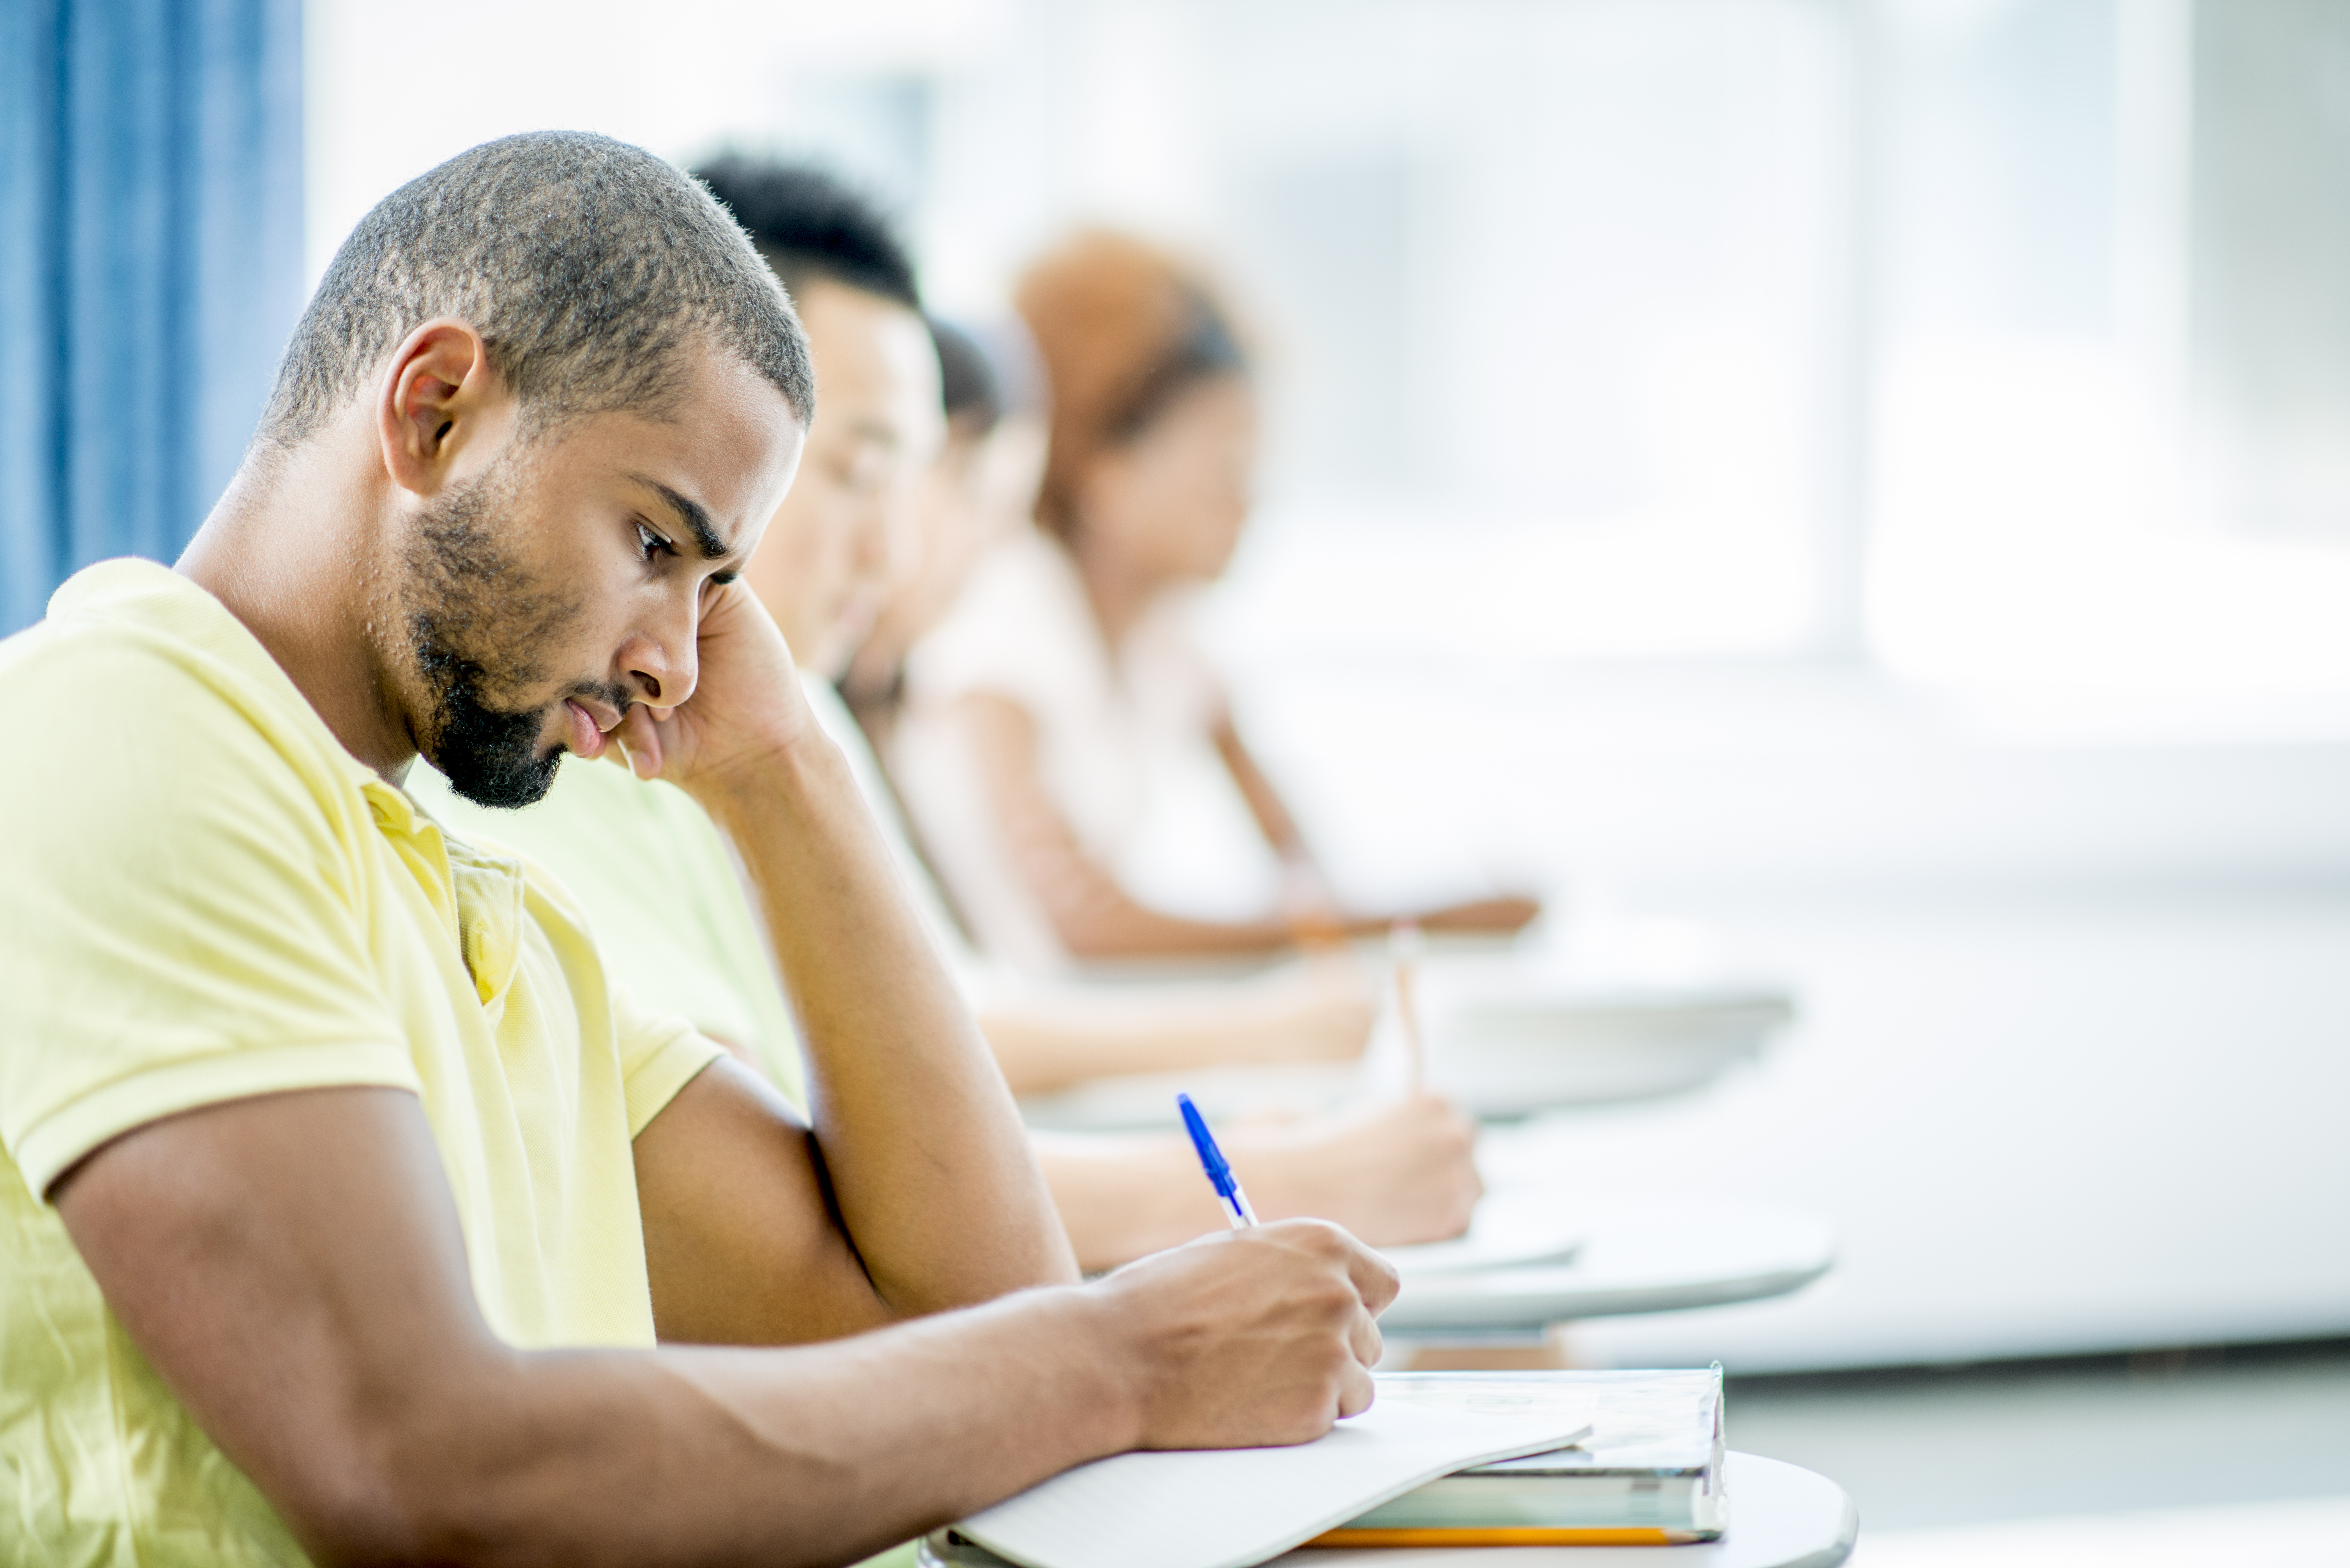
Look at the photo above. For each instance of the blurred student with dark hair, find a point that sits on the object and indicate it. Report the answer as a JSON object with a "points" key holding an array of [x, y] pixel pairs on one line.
{"points": [[1063, 689], [659, 884], [981, 490]]}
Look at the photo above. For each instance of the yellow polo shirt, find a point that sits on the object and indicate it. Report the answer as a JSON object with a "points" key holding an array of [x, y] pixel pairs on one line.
{"points": [[661, 892], [660, 888], [659, 884], [203, 898]]}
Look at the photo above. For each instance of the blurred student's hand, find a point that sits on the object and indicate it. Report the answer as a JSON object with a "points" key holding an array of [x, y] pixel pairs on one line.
{"points": [[1394, 1172], [1323, 1013], [1249, 1338]]}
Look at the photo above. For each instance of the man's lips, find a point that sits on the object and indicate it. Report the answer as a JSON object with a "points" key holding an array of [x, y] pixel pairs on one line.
{"points": [[587, 735]]}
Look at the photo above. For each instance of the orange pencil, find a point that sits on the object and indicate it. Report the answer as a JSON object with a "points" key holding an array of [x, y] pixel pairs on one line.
{"points": [[1403, 951], [1503, 1536]]}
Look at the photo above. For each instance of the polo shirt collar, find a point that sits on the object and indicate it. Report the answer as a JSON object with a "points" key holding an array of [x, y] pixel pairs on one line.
{"points": [[147, 594], [482, 892]]}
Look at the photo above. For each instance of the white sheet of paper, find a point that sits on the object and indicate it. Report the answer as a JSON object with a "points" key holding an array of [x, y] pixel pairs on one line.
{"points": [[1231, 1507]]}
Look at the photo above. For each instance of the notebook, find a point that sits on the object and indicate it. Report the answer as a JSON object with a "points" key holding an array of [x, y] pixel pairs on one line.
{"points": [[1649, 1473], [1231, 1507]]}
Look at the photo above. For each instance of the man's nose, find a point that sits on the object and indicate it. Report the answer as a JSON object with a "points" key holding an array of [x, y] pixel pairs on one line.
{"points": [[662, 662]]}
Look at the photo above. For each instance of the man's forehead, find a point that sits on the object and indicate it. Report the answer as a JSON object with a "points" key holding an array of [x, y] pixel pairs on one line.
{"points": [[713, 466]]}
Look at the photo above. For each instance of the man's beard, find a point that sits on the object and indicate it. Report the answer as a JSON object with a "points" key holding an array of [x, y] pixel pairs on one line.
{"points": [[475, 621]]}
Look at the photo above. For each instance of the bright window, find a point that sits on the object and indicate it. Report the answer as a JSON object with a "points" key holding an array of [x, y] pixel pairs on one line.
{"points": [[2003, 341]]}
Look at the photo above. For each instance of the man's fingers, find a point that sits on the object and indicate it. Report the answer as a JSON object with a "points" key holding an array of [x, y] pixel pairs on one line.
{"points": [[1374, 1278], [638, 737], [1355, 1391], [1366, 1341]]}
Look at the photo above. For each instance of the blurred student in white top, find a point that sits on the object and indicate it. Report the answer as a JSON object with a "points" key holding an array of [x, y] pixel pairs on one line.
{"points": [[644, 862], [1064, 688]]}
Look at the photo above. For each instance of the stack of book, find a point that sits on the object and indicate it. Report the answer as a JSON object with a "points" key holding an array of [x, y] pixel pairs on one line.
{"points": [[1442, 1459], [1648, 1473]]}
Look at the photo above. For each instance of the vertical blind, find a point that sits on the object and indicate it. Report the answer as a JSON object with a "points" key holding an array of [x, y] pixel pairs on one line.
{"points": [[151, 267]]}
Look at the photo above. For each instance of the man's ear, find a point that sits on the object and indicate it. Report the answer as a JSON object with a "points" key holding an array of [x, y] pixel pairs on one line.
{"points": [[438, 397]]}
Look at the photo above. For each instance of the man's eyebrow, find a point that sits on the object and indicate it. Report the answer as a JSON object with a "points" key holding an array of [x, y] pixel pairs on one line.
{"points": [[695, 516]]}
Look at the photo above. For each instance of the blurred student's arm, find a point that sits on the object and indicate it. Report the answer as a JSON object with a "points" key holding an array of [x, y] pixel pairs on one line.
{"points": [[1321, 1013], [1308, 899], [1264, 803], [1093, 916], [1394, 1172]]}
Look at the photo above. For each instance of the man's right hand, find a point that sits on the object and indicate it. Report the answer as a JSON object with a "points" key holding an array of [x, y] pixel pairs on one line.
{"points": [[294, 1269], [1251, 1338]]}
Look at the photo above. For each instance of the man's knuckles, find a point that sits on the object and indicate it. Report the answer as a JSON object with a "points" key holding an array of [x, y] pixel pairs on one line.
{"points": [[1316, 1239], [1333, 1301]]}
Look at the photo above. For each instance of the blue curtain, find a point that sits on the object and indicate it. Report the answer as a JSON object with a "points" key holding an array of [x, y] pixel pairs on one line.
{"points": [[151, 267]]}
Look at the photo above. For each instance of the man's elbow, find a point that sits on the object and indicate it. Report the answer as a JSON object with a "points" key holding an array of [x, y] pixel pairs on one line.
{"points": [[422, 1488], [357, 1511]]}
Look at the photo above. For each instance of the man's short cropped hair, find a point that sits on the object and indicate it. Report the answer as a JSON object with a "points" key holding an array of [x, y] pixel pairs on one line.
{"points": [[586, 266], [809, 224]]}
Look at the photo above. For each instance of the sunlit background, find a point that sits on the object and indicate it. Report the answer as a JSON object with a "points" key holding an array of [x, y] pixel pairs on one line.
{"points": [[2000, 342], [1856, 492]]}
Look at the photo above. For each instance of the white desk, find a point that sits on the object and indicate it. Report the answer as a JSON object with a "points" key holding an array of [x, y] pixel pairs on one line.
{"points": [[1635, 1258], [1492, 1057], [1781, 1516]]}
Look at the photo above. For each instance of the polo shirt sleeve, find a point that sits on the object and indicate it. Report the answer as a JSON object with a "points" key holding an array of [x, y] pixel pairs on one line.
{"points": [[183, 924], [660, 1054]]}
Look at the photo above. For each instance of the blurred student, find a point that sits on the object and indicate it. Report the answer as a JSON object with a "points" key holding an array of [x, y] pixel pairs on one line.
{"points": [[1063, 689], [660, 888], [979, 491]]}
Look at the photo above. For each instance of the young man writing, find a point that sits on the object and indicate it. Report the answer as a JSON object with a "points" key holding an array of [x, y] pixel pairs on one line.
{"points": [[343, 1198]]}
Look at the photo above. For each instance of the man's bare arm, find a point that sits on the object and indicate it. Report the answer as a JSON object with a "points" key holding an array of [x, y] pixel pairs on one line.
{"points": [[741, 1244], [916, 1135], [293, 1267]]}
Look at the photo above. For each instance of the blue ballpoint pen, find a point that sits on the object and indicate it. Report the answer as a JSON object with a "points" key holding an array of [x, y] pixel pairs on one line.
{"points": [[1220, 1174]]}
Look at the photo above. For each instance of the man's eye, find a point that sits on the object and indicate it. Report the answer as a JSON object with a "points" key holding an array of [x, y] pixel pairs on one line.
{"points": [[650, 543]]}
